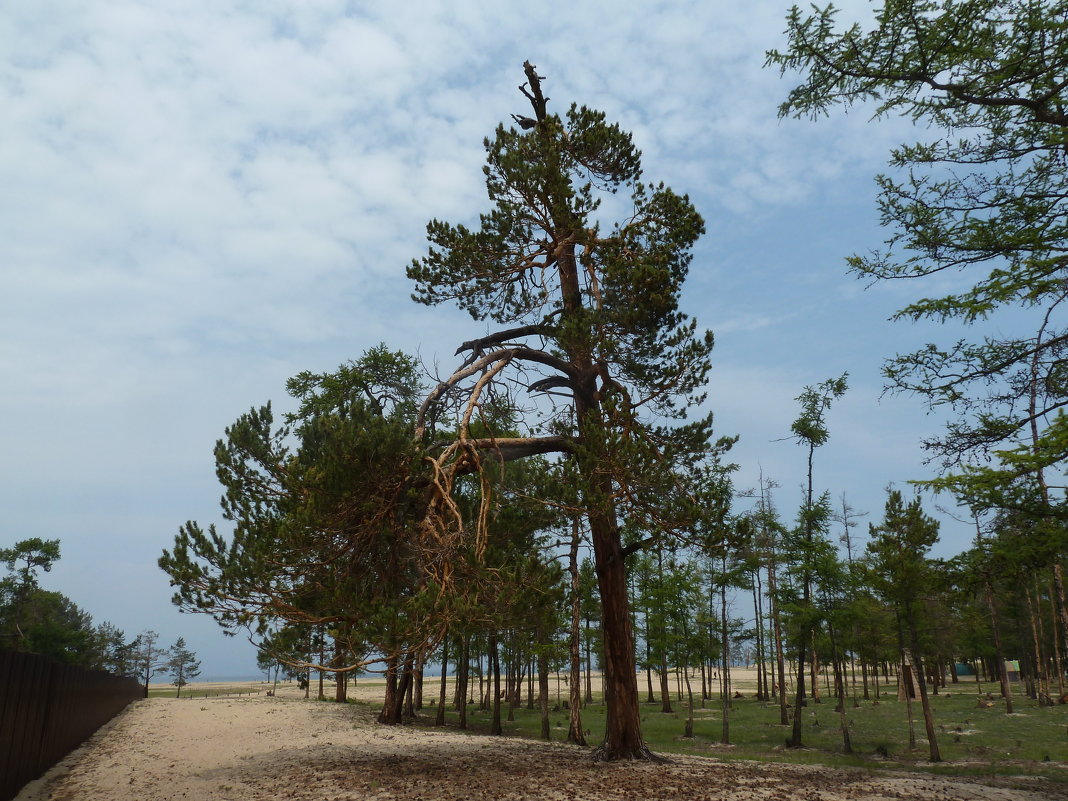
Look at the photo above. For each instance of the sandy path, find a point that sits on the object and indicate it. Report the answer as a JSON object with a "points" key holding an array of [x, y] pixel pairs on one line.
{"points": [[255, 749]]}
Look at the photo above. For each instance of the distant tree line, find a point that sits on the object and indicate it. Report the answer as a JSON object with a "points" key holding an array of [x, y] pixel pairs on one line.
{"points": [[45, 622]]}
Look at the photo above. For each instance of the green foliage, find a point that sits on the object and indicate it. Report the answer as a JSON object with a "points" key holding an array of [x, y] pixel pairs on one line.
{"points": [[182, 664], [49, 623], [322, 508], [985, 195], [899, 568], [34, 554]]}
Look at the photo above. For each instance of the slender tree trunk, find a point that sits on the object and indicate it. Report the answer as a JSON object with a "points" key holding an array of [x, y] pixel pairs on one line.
{"points": [[543, 695], [409, 690], [814, 666], [928, 715], [1058, 582], [322, 658], [780, 657], [689, 693], [905, 680], [1057, 664], [999, 657], [439, 719], [650, 698], [574, 730], [465, 672], [589, 663], [530, 682], [1040, 669], [761, 693], [725, 735], [419, 665], [662, 669], [839, 687], [493, 666]]}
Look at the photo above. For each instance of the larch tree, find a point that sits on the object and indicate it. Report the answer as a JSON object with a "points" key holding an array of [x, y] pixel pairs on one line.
{"points": [[811, 432], [982, 195], [898, 550], [590, 320]]}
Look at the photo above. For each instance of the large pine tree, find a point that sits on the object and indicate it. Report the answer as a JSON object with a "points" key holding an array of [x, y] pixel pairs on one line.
{"points": [[592, 319]]}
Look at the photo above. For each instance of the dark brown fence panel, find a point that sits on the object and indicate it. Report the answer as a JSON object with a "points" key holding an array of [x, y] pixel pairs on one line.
{"points": [[47, 710]]}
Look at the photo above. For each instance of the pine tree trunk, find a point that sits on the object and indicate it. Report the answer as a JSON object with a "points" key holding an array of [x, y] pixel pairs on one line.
{"points": [[623, 728], [543, 695], [494, 666], [574, 730], [465, 672], [814, 662], [589, 664], [439, 719], [689, 719], [419, 682]]}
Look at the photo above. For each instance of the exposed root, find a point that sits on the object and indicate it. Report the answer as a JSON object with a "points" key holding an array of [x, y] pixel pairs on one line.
{"points": [[641, 754]]}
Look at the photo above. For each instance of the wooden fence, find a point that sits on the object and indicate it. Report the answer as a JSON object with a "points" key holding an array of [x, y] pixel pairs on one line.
{"points": [[47, 710]]}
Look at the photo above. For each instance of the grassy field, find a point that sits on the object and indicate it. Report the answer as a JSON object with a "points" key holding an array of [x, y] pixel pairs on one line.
{"points": [[199, 691], [973, 740]]}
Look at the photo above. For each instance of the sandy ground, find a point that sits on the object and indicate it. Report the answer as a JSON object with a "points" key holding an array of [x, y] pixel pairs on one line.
{"points": [[260, 748]]}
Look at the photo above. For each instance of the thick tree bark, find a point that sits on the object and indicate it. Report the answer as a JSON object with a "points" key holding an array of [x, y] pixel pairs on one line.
{"points": [[390, 701], [623, 735]]}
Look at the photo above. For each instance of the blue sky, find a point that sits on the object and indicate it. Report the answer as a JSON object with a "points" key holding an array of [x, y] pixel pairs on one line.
{"points": [[203, 199]]}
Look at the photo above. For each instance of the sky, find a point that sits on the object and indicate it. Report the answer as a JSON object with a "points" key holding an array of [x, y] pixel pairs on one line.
{"points": [[202, 199]]}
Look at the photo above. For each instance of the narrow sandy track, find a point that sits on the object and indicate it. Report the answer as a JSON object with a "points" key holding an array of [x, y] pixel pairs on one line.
{"points": [[245, 749]]}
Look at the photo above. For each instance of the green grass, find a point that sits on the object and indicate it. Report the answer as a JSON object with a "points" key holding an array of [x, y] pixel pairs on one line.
{"points": [[973, 741], [209, 692]]}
